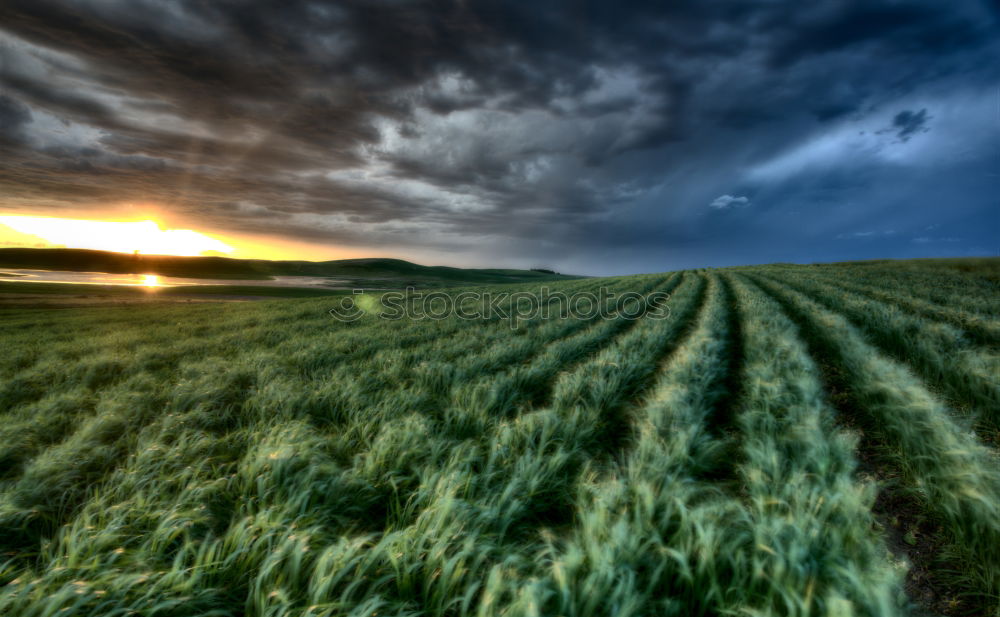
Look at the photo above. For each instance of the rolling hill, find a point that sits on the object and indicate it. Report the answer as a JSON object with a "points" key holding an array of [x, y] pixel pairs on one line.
{"points": [[398, 272]]}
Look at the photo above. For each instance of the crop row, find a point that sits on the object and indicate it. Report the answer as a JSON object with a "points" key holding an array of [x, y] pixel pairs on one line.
{"points": [[268, 459]]}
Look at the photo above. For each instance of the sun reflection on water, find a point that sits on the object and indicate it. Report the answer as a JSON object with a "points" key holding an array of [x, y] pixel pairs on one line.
{"points": [[150, 281]]}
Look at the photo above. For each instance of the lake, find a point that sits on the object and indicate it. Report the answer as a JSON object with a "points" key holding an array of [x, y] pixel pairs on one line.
{"points": [[156, 280]]}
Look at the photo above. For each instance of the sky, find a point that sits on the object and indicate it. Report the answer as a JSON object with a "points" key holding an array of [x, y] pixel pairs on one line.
{"points": [[588, 137]]}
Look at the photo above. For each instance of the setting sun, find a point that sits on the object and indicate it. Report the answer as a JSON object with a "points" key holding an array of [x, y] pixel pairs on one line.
{"points": [[145, 237], [151, 281]]}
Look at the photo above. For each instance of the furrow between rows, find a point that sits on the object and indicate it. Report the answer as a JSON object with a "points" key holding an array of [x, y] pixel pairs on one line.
{"points": [[955, 479]]}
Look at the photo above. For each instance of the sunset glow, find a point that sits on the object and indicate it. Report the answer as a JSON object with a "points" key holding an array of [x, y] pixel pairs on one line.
{"points": [[151, 281], [146, 237]]}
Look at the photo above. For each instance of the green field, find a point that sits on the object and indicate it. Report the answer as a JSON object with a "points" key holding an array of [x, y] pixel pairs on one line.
{"points": [[784, 440]]}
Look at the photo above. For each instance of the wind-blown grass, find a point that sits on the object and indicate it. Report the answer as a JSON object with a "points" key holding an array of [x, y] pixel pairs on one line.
{"points": [[956, 478], [941, 353], [267, 459]]}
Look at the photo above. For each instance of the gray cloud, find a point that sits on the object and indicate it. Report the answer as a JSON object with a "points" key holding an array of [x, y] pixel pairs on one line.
{"points": [[520, 132], [14, 115]]}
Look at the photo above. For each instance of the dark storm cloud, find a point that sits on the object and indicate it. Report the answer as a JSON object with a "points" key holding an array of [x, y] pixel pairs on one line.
{"points": [[534, 129], [908, 123], [913, 29], [13, 116]]}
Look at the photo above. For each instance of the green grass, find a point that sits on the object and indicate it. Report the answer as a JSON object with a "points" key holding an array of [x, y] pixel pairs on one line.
{"points": [[790, 440]]}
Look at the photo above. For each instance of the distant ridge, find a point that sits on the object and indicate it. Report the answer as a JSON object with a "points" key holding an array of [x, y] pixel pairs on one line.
{"points": [[371, 270]]}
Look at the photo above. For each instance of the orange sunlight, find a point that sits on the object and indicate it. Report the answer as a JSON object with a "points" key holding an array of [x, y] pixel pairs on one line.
{"points": [[146, 237], [144, 234]]}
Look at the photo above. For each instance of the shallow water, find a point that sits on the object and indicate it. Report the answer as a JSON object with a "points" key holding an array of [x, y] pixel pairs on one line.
{"points": [[155, 280]]}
